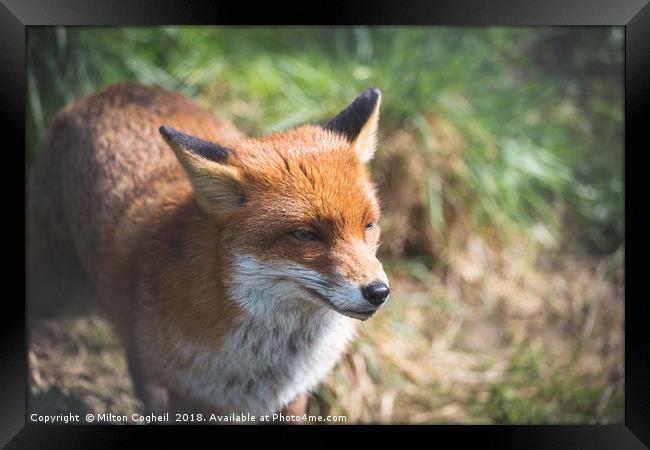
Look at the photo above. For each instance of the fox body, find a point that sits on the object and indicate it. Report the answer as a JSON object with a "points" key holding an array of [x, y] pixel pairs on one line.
{"points": [[233, 269]]}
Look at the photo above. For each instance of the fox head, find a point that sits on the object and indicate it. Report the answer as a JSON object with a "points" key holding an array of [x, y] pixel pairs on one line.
{"points": [[298, 211]]}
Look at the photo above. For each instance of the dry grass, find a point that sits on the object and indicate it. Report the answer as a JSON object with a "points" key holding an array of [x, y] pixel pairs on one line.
{"points": [[510, 344], [77, 365]]}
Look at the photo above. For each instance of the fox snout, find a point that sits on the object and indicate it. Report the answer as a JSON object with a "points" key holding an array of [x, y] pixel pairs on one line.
{"points": [[279, 281], [361, 296], [376, 293]]}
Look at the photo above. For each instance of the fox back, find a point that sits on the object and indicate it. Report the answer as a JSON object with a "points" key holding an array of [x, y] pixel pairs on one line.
{"points": [[233, 268]]}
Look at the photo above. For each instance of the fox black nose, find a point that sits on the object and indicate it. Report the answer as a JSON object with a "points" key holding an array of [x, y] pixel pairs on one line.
{"points": [[376, 292]]}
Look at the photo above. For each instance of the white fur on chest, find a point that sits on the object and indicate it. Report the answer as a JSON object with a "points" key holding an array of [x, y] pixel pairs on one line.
{"points": [[263, 365], [281, 348]]}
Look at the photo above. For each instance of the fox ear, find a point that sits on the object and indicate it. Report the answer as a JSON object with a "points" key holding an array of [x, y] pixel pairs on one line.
{"points": [[358, 123], [217, 185]]}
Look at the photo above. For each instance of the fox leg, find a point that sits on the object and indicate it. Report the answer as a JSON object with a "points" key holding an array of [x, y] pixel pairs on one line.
{"points": [[298, 407], [179, 404], [56, 282], [154, 397]]}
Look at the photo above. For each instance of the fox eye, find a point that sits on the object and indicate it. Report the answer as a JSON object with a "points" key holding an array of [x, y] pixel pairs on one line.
{"points": [[370, 226], [305, 235]]}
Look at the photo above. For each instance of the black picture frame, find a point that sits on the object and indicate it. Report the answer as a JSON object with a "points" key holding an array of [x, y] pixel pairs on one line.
{"points": [[634, 15]]}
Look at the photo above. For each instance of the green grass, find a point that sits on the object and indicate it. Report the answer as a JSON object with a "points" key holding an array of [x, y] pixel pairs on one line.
{"points": [[529, 395]]}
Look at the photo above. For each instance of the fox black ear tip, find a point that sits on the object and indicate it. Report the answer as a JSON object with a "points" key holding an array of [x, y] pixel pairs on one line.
{"points": [[167, 132], [372, 92]]}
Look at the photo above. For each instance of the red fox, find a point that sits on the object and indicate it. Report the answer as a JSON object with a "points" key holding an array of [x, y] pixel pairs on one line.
{"points": [[232, 268]]}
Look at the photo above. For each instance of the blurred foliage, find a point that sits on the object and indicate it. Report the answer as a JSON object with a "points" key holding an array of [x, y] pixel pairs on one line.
{"points": [[534, 114], [558, 397]]}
